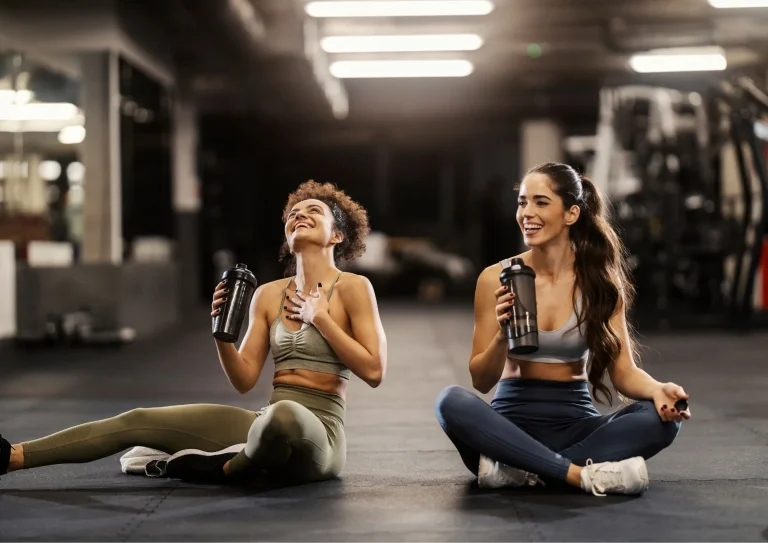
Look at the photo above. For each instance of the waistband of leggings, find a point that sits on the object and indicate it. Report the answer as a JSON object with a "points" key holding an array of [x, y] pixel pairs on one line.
{"points": [[317, 401], [520, 385]]}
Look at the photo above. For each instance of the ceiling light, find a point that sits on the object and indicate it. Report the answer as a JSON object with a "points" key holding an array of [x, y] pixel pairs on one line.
{"points": [[49, 170], [38, 111], [399, 8], [76, 172], [730, 4], [71, 135], [679, 60], [401, 68], [390, 44]]}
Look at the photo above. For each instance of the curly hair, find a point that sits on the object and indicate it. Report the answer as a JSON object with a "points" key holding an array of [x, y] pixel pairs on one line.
{"points": [[350, 218]]}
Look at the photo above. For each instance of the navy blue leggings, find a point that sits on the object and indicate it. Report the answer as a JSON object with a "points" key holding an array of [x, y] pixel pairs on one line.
{"points": [[544, 426]]}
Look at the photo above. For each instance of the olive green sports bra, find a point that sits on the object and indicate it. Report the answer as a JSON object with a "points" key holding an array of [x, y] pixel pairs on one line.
{"points": [[305, 348]]}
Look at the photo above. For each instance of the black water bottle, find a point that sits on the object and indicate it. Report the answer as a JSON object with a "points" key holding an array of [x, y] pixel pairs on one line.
{"points": [[522, 329], [241, 284]]}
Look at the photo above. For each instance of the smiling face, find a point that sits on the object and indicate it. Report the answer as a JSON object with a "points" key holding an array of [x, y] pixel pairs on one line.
{"points": [[540, 211], [310, 222]]}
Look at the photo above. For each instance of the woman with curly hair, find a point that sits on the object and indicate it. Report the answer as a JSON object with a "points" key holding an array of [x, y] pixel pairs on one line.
{"points": [[320, 324]]}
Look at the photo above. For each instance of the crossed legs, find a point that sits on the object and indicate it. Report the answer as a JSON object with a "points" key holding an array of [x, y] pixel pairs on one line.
{"points": [[476, 429]]}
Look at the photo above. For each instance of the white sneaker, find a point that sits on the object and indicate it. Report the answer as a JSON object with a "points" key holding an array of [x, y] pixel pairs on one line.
{"points": [[625, 477], [492, 474]]}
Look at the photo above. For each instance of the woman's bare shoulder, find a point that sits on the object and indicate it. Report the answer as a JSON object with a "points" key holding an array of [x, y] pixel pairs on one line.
{"points": [[271, 291], [350, 283]]}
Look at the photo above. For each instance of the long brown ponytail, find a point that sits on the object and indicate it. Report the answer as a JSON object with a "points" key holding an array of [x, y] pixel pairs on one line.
{"points": [[602, 274]]}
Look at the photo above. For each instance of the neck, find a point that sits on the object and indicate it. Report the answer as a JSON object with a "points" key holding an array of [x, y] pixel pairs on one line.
{"points": [[554, 259], [314, 266]]}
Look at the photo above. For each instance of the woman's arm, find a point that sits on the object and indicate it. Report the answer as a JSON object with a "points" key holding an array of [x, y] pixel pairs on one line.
{"points": [[626, 377], [243, 367], [635, 383], [365, 352], [489, 346]]}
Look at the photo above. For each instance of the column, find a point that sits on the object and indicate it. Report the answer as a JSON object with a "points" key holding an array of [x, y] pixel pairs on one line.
{"points": [[541, 141], [102, 235], [186, 200], [7, 289], [383, 185]]}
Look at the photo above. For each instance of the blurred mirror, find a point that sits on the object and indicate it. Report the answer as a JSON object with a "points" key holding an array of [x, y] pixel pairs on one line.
{"points": [[42, 177]]}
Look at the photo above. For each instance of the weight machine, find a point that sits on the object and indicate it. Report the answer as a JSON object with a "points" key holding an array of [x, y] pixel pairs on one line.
{"points": [[744, 104], [657, 154]]}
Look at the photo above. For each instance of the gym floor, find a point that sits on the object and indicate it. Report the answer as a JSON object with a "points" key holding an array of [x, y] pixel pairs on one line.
{"points": [[403, 480]]}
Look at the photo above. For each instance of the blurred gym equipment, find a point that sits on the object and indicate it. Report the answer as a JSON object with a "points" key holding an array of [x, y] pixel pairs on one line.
{"points": [[695, 248]]}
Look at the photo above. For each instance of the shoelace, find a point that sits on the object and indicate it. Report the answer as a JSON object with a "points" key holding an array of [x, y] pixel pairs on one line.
{"points": [[608, 472]]}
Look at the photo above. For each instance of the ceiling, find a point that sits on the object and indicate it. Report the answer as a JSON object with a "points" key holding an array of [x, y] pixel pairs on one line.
{"points": [[583, 44], [248, 58]]}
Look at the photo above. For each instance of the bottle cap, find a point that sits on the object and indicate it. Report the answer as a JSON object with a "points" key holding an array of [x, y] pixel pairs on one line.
{"points": [[240, 271]]}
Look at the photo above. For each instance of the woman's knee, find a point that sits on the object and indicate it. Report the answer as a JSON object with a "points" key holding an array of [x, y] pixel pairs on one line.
{"points": [[283, 421], [452, 402], [135, 418], [663, 433]]}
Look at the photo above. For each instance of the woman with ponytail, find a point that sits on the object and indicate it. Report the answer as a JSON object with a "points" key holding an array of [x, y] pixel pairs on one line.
{"points": [[542, 423]]}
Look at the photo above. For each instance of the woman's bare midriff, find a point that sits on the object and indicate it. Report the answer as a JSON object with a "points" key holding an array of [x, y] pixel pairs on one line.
{"points": [[324, 382], [523, 369]]}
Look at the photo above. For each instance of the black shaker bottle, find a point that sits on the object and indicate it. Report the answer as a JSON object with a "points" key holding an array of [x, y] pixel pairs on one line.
{"points": [[241, 284], [522, 329]]}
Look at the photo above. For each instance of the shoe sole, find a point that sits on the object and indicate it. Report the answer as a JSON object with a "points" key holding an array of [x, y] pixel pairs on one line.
{"points": [[197, 466], [232, 449]]}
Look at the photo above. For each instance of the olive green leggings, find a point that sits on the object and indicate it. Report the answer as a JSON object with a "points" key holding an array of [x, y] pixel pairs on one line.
{"points": [[298, 436]]}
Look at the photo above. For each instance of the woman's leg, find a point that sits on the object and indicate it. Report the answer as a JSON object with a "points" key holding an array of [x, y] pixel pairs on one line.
{"points": [[635, 430], [472, 422], [170, 429], [287, 442], [477, 429]]}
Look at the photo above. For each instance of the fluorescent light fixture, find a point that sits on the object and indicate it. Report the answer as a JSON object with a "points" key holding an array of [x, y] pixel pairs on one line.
{"points": [[399, 8], [699, 59], [38, 111], [345, 69], [391, 44], [70, 135], [735, 4]]}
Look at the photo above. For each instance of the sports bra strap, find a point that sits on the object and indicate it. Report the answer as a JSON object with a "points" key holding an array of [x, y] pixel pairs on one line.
{"points": [[330, 290], [282, 300]]}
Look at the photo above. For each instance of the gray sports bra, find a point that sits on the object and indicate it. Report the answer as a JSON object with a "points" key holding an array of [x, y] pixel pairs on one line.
{"points": [[561, 346], [305, 348]]}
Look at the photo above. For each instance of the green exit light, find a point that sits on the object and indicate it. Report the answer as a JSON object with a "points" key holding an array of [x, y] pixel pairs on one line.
{"points": [[533, 50]]}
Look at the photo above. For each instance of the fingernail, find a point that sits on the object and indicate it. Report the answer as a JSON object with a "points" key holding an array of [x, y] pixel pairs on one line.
{"points": [[226, 290]]}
